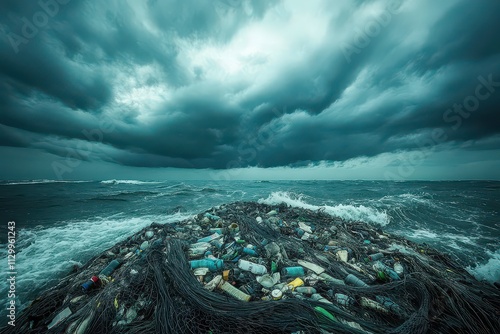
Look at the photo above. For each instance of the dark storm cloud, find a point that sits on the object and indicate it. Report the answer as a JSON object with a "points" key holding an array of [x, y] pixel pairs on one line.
{"points": [[237, 83]]}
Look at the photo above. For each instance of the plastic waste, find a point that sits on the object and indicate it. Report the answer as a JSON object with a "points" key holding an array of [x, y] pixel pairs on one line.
{"points": [[311, 266], [212, 265], [254, 268], [343, 300], [198, 249], [82, 328], [379, 266], [305, 227], [324, 312], [354, 281], [267, 280], [110, 268], [293, 272], [248, 251], [307, 290], [93, 282], [211, 216], [398, 268], [213, 283], [306, 236], [60, 317], [210, 237], [144, 245], [219, 230], [331, 279], [375, 257], [235, 292], [276, 294], [371, 304], [300, 232], [320, 298], [272, 249], [342, 255], [295, 283], [389, 304]]}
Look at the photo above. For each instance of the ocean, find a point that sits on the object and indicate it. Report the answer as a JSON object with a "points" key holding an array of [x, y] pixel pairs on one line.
{"points": [[62, 223]]}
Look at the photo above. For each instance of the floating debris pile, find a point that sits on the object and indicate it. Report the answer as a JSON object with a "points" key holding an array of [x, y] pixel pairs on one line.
{"points": [[253, 268]]}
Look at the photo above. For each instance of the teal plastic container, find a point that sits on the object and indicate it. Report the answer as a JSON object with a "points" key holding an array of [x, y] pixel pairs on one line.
{"points": [[212, 265], [293, 272], [110, 268]]}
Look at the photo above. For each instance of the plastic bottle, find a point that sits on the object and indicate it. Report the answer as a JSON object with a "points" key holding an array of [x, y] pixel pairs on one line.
{"points": [[343, 300], [254, 268], [305, 227], [110, 268], [210, 237], [236, 293], [388, 303], [266, 280], [145, 245], [295, 283], [212, 265], [300, 232], [293, 272], [368, 303], [248, 251], [219, 230], [375, 257], [353, 280], [211, 216], [398, 268], [320, 298], [305, 290], [331, 279], [380, 266], [94, 281], [324, 312], [60, 317]]}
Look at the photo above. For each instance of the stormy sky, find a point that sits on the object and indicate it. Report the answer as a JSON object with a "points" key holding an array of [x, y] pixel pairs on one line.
{"points": [[227, 89]]}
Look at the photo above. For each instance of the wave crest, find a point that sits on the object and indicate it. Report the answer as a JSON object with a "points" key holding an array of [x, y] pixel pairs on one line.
{"points": [[489, 271], [128, 182], [346, 212]]}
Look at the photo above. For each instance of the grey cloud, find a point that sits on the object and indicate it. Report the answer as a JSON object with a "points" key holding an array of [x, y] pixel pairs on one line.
{"points": [[321, 107]]}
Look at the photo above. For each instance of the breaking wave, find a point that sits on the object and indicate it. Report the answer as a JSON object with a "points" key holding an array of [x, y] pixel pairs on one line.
{"points": [[129, 182], [489, 271], [346, 212]]}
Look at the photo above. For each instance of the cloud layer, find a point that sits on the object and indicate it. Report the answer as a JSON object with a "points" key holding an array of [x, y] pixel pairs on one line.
{"points": [[232, 83]]}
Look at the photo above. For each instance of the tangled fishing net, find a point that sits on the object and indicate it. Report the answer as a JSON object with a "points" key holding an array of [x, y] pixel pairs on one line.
{"points": [[354, 279]]}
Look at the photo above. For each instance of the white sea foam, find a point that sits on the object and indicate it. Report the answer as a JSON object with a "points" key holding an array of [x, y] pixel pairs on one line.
{"points": [[489, 271], [45, 254], [128, 182], [422, 234], [344, 211]]}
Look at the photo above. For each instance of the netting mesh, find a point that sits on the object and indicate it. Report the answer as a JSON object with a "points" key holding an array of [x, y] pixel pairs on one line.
{"points": [[155, 290]]}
